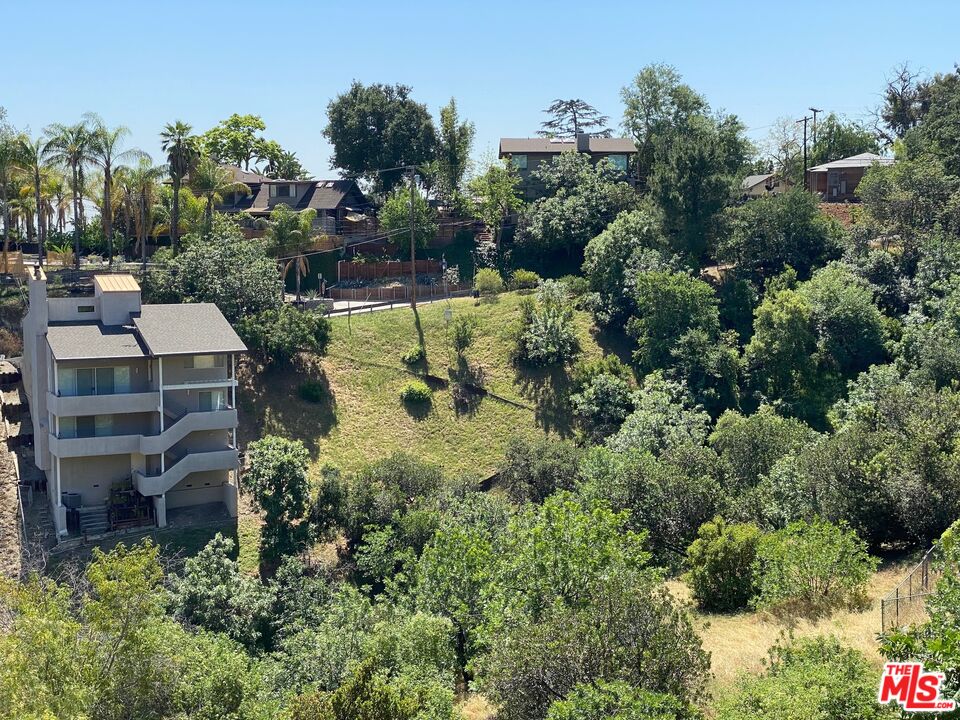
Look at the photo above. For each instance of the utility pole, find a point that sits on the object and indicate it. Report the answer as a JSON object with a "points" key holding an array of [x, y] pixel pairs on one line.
{"points": [[815, 111], [413, 243], [804, 120]]}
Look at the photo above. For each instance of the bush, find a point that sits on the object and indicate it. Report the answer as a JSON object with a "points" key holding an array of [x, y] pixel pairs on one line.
{"points": [[546, 335], [279, 335], [461, 335], [618, 700], [488, 281], [532, 470], [10, 343], [414, 355], [603, 404], [720, 563], [311, 391], [416, 391], [811, 569], [524, 280]]}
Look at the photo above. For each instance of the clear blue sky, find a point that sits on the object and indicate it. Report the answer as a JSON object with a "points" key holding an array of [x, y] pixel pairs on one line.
{"points": [[143, 63]]}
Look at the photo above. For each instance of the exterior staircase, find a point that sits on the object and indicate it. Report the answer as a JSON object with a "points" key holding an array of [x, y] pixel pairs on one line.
{"points": [[94, 520]]}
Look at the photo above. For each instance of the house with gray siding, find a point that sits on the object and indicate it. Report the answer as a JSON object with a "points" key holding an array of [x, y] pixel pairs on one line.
{"points": [[133, 405]]}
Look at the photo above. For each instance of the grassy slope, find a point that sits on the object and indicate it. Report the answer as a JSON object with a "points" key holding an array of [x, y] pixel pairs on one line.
{"points": [[363, 418]]}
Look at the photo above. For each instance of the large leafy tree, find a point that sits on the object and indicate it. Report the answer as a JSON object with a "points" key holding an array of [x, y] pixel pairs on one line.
{"points": [[454, 141], [394, 218], [277, 481], [658, 107], [838, 138], [182, 154], [376, 129], [495, 195], [569, 118], [234, 140], [938, 131]]}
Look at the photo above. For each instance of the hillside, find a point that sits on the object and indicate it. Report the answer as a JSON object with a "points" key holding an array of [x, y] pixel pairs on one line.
{"points": [[361, 417]]}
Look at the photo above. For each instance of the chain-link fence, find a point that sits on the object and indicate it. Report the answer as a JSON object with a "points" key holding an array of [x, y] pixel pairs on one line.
{"points": [[906, 603]]}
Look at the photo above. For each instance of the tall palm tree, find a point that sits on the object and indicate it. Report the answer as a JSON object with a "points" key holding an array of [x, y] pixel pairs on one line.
{"points": [[144, 183], [106, 151], [182, 154], [212, 182], [9, 156], [69, 146], [32, 157], [290, 234]]}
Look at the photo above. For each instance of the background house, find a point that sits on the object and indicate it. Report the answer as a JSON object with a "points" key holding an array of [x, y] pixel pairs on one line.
{"points": [[754, 186], [528, 154], [340, 204], [837, 181]]}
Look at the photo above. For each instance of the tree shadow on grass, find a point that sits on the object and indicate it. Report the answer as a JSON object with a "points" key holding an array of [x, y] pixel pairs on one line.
{"points": [[614, 341], [419, 410], [467, 386], [548, 388], [270, 402]]}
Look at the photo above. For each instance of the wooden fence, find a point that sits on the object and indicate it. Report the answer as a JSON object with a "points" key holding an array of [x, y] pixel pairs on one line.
{"points": [[390, 268], [395, 292]]}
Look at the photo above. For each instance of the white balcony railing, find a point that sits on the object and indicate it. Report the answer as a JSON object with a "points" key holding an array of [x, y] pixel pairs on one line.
{"points": [[201, 461]]}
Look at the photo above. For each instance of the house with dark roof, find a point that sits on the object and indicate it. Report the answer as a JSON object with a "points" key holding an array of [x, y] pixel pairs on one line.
{"points": [[837, 181], [340, 204], [528, 154], [133, 406]]}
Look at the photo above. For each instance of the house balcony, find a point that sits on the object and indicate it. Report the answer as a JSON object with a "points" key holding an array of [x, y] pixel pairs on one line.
{"points": [[116, 403], [200, 461], [119, 444]]}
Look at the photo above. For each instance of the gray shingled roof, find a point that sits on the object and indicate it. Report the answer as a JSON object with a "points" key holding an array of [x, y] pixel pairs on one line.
{"points": [[186, 329], [546, 145], [90, 340]]}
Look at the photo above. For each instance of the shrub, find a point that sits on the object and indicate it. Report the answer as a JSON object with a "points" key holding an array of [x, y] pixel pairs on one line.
{"points": [[414, 355], [416, 391], [461, 334], [532, 470], [311, 391], [10, 343], [814, 679], [278, 335], [524, 280], [488, 281], [617, 700], [720, 563], [811, 569], [603, 404], [546, 335]]}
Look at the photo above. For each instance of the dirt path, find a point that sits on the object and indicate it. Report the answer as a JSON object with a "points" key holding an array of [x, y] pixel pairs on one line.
{"points": [[10, 547]]}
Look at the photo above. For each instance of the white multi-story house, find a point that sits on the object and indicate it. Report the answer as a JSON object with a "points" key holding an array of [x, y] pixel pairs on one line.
{"points": [[133, 406]]}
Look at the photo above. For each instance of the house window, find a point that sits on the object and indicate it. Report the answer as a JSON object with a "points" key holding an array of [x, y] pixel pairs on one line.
{"points": [[85, 308], [282, 191], [86, 426], [204, 361], [619, 162], [209, 400], [93, 381], [519, 161]]}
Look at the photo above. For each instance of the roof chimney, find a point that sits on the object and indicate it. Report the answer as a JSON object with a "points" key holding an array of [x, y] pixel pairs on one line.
{"points": [[583, 142]]}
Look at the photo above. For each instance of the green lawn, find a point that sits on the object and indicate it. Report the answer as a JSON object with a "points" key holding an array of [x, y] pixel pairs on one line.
{"points": [[362, 417]]}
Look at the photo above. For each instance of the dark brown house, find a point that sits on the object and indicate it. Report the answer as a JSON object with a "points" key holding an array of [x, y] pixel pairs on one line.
{"points": [[528, 154], [837, 181], [340, 204]]}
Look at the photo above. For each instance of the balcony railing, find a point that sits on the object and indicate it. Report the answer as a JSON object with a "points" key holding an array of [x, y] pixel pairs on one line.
{"points": [[114, 403], [157, 483]]}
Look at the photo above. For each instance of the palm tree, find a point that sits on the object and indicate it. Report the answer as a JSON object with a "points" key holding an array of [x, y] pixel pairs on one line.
{"points": [[9, 156], [32, 158], [290, 233], [212, 182], [143, 182], [182, 155], [105, 151], [69, 146]]}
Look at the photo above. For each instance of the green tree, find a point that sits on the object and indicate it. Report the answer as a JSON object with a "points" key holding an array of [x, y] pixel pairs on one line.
{"points": [[768, 234], [495, 195], [143, 185], [290, 234], [211, 182], [33, 158], [454, 142], [546, 334], [69, 146], [936, 132], [809, 679], [278, 334], [394, 218], [234, 140], [812, 569], [720, 565], [278, 483], [581, 200], [10, 142], [570, 118], [375, 128], [838, 138], [532, 470], [182, 154], [657, 108], [618, 700]]}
